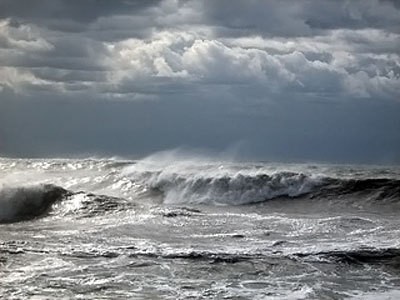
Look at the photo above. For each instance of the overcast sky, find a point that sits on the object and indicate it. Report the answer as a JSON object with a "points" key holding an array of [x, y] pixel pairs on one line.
{"points": [[275, 80]]}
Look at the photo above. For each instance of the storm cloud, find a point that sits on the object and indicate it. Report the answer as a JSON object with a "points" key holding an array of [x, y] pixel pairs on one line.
{"points": [[203, 74]]}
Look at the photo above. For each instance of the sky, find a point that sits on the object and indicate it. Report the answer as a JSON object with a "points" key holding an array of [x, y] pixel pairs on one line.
{"points": [[283, 80]]}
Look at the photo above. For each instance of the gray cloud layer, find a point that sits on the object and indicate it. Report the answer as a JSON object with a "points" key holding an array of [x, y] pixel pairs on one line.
{"points": [[250, 57]]}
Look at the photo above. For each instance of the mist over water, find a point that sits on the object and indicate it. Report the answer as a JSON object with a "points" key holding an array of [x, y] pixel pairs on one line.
{"points": [[176, 225]]}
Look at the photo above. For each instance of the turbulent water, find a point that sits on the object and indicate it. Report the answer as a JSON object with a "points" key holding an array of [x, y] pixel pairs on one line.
{"points": [[170, 228]]}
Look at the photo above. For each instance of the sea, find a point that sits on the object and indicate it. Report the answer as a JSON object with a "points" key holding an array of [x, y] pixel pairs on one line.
{"points": [[170, 227]]}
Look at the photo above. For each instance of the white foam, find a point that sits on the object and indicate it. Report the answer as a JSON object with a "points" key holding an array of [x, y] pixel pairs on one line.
{"points": [[384, 295], [200, 181]]}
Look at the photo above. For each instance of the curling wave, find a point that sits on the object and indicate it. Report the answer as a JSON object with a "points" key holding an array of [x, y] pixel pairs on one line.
{"points": [[28, 202]]}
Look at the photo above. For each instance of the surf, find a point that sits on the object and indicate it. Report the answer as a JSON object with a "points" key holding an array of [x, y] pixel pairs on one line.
{"points": [[28, 202]]}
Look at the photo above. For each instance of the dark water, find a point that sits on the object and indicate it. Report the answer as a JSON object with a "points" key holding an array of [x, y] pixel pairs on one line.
{"points": [[168, 228]]}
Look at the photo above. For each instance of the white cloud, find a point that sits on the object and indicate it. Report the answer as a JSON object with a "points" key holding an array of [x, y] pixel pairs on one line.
{"points": [[180, 54], [205, 60], [180, 45]]}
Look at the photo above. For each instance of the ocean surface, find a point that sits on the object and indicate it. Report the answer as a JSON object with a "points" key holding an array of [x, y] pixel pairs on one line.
{"points": [[166, 227]]}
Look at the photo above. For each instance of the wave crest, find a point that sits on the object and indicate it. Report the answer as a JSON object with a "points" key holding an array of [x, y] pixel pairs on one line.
{"points": [[232, 185], [28, 202], [233, 190]]}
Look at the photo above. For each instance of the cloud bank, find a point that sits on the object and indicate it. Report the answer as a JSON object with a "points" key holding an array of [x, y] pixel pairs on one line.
{"points": [[251, 57], [341, 47]]}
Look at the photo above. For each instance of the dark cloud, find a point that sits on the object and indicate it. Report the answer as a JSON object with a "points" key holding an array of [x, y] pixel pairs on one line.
{"points": [[86, 11], [299, 18], [357, 14], [291, 79], [266, 18]]}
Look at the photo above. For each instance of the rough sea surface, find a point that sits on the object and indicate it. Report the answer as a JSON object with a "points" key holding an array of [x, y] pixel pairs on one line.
{"points": [[168, 228]]}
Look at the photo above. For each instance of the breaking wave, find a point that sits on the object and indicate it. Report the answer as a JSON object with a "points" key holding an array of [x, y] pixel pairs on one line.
{"points": [[178, 179], [241, 188], [28, 202], [110, 186], [232, 190]]}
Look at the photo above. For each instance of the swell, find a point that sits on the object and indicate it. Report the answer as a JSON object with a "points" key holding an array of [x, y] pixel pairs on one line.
{"points": [[381, 256], [375, 189]]}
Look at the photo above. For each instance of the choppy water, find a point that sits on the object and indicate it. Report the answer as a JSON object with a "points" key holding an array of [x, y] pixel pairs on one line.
{"points": [[163, 228]]}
